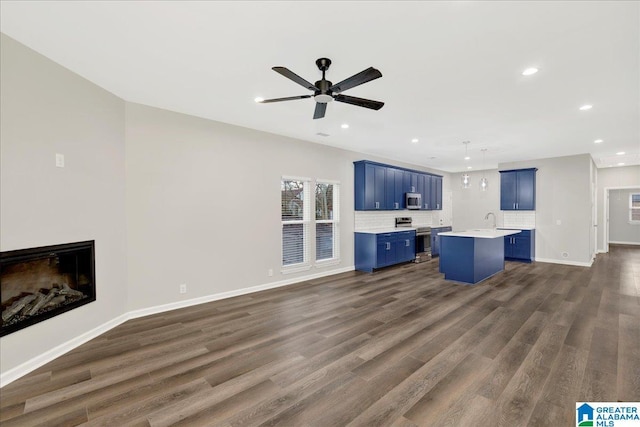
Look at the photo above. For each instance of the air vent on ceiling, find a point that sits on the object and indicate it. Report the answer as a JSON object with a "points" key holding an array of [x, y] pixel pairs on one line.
{"points": [[322, 134]]}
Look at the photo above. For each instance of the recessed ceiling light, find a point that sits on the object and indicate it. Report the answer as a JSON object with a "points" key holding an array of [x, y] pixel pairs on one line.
{"points": [[529, 71], [620, 153], [258, 99], [620, 164], [469, 167], [586, 107], [344, 126], [414, 140], [467, 158], [598, 141]]}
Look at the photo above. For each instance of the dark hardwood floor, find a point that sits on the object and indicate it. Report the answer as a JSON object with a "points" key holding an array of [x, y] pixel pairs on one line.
{"points": [[400, 347]]}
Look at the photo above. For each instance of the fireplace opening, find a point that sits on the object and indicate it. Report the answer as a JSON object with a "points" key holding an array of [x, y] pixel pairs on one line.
{"points": [[39, 283]]}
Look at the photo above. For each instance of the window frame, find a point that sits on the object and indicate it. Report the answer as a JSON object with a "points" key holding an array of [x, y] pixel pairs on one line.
{"points": [[335, 220], [633, 209], [305, 221]]}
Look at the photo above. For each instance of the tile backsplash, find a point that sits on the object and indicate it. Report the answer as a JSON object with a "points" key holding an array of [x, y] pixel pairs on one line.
{"points": [[520, 219], [365, 220], [372, 219]]}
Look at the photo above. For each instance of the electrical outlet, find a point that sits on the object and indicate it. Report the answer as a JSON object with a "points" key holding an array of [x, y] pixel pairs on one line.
{"points": [[59, 160], [183, 288], [270, 272]]}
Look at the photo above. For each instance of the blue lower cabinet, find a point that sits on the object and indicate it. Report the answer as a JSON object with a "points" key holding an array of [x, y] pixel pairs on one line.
{"points": [[520, 247], [383, 249], [435, 240]]}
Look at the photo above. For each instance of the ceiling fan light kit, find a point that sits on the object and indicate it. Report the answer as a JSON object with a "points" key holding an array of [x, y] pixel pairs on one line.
{"points": [[325, 91]]}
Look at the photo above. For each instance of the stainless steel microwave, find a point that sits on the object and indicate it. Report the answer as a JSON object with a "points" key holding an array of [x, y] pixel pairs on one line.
{"points": [[413, 200]]}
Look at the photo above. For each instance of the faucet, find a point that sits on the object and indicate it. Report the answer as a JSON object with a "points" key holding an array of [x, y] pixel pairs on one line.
{"points": [[494, 218]]}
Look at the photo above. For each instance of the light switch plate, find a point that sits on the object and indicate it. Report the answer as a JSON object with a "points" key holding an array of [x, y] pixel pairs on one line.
{"points": [[59, 160]]}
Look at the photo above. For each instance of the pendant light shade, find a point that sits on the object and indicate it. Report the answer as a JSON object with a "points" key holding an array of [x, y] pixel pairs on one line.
{"points": [[484, 183], [466, 180]]}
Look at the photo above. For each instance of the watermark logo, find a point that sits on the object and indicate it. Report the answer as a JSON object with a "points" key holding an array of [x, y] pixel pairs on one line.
{"points": [[608, 414]]}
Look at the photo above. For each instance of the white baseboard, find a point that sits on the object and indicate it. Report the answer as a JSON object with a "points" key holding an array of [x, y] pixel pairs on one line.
{"points": [[229, 294], [32, 364], [560, 261], [624, 243]]}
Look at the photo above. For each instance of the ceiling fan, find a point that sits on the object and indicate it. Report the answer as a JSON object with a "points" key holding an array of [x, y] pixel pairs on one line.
{"points": [[324, 91]]}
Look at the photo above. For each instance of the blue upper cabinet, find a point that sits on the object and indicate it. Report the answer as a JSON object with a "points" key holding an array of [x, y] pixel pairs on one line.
{"points": [[370, 181], [518, 190], [411, 182], [383, 187], [436, 192], [394, 194]]}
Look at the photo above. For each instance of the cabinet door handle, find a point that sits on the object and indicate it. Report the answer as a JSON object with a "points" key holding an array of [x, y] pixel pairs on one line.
{"points": [[388, 245], [437, 205], [407, 243], [426, 205], [377, 205], [396, 205]]}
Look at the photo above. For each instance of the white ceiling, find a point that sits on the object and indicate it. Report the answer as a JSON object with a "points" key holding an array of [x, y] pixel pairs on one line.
{"points": [[451, 70]]}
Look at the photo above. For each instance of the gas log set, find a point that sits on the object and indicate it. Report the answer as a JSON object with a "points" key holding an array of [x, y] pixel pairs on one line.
{"points": [[39, 283], [40, 302]]}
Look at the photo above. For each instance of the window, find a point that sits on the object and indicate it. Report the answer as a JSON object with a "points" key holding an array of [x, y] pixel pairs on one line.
{"points": [[300, 228], [295, 222], [327, 221], [634, 208]]}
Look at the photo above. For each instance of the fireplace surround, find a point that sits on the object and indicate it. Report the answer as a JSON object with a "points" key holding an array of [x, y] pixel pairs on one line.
{"points": [[37, 284]]}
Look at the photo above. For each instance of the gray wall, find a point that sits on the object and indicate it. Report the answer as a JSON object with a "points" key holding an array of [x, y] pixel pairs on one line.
{"points": [[470, 205], [203, 204], [563, 193], [45, 109], [620, 230], [608, 178]]}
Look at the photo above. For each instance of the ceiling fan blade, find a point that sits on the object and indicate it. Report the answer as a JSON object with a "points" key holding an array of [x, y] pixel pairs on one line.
{"points": [[321, 107], [290, 98], [293, 76], [360, 102], [356, 80]]}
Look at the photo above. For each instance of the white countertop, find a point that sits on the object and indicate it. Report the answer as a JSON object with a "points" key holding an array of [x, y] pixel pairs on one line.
{"points": [[384, 230], [516, 228], [484, 233], [381, 230]]}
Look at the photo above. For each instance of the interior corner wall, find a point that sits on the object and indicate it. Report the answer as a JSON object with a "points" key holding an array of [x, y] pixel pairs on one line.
{"points": [[203, 204], [46, 109], [563, 207], [608, 178]]}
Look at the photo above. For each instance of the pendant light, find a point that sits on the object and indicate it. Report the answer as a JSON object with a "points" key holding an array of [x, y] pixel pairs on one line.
{"points": [[466, 180], [484, 183]]}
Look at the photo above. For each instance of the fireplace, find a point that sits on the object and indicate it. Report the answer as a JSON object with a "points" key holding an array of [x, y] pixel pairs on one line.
{"points": [[39, 283]]}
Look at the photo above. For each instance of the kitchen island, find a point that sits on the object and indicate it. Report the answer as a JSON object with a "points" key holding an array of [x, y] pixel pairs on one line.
{"points": [[473, 255]]}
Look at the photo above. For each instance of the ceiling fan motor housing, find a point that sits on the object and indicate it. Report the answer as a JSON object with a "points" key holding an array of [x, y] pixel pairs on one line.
{"points": [[323, 94]]}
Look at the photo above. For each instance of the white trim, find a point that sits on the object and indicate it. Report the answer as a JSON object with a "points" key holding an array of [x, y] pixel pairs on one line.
{"points": [[295, 268], [32, 364], [624, 243], [295, 178], [327, 262], [600, 251], [559, 261], [327, 181]]}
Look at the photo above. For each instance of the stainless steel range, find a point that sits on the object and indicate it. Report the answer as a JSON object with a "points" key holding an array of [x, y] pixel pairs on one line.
{"points": [[423, 238]]}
